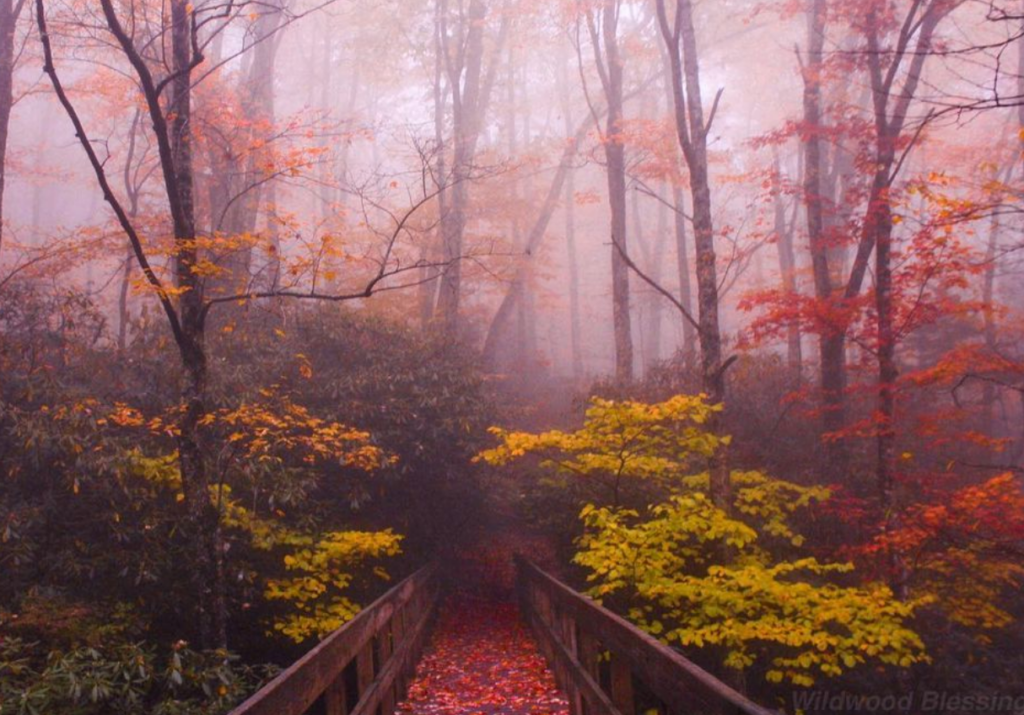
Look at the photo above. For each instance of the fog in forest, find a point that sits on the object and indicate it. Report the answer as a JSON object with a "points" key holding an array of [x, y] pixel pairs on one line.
{"points": [[713, 308], [333, 121]]}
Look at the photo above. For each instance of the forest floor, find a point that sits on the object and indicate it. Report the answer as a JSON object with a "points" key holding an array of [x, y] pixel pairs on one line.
{"points": [[482, 659]]}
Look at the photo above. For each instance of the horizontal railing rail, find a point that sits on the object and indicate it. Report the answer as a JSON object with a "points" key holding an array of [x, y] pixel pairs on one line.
{"points": [[363, 668], [608, 666]]}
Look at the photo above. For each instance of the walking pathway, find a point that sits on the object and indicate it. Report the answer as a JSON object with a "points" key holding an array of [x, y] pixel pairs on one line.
{"points": [[482, 661]]}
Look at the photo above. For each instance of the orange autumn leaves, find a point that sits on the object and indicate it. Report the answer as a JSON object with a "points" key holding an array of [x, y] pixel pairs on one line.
{"points": [[965, 549], [270, 430]]}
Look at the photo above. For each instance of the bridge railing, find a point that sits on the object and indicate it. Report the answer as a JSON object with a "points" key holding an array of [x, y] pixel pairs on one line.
{"points": [[363, 668], [607, 666]]}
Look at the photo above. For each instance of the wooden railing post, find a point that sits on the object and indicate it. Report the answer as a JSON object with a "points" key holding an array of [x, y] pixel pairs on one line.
{"points": [[336, 696], [364, 669], [398, 634], [572, 632], [381, 644], [622, 686], [543, 609], [590, 651], [384, 650], [572, 691]]}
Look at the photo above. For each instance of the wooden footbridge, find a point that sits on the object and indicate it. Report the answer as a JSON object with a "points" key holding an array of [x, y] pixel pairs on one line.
{"points": [[603, 664]]}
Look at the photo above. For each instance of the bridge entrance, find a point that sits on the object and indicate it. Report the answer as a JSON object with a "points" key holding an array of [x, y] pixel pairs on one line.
{"points": [[555, 651]]}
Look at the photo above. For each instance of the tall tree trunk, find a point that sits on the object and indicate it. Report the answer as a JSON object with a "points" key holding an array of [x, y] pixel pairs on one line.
{"points": [[195, 479], [991, 329], [351, 102], [621, 318], [258, 105], [9, 13], [524, 350], [575, 327], [636, 235], [236, 189], [467, 115], [39, 192], [615, 159], [327, 178], [713, 375], [569, 208], [650, 249], [692, 130], [185, 313], [656, 267], [787, 270], [887, 370], [878, 231], [832, 336], [133, 191], [689, 344], [122, 300], [878, 225], [428, 273], [1017, 452], [531, 245], [683, 267], [988, 303]]}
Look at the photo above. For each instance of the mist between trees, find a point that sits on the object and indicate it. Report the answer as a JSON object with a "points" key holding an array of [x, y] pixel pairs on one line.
{"points": [[716, 304]]}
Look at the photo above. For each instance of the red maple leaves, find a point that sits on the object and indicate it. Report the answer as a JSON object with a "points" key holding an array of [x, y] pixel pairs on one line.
{"points": [[481, 659]]}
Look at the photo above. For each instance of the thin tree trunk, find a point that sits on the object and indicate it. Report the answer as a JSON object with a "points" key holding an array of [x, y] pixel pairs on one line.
{"points": [[569, 201], [575, 328], [133, 190], [524, 349], [689, 344], [651, 250], [704, 238], [533, 240], [327, 177], [10, 10], [43, 130], [122, 300], [351, 100], [988, 303], [195, 479], [832, 335], [683, 266], [878, 230], [428, 274], [787, 270], [185, 312], [692, 130], [636, 235], [258, 104], [887, 369], [657, 266], [879, 225], [467, 114], [615, 158]]}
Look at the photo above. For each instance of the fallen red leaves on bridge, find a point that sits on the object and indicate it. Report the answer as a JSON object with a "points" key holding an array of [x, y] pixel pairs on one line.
{"points": [[482, 659]]}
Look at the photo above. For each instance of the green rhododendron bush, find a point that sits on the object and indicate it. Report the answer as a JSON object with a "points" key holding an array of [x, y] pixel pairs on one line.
{"points": [[122, 679], [328, 487]]}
